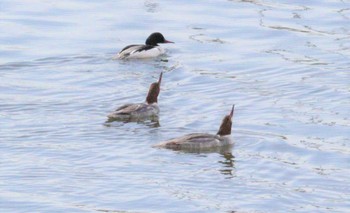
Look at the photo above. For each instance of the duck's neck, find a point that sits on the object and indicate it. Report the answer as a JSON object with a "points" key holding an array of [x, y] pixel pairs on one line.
{"points": [[225, 128], [152, 96], [151, 100]]}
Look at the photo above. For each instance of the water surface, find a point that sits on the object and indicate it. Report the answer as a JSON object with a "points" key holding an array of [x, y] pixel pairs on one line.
{"points": [[285, 64]]}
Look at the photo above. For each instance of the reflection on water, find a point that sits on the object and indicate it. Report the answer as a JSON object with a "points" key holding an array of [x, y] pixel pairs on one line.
{"points": [[154, 122], [221, 149], [228, 164], [285, 64]]}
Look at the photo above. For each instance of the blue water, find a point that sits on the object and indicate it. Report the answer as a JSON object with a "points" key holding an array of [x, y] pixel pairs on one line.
{"points": [[285, 64]]}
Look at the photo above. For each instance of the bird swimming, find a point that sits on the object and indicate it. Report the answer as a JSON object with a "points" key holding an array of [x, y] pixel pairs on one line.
{"points": [[148, 50], [198, 141], [140, 111]]}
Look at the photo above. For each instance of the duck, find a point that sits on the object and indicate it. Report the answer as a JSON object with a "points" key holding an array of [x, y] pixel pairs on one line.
{"points": [[202, 141], [140, 111], [148, 50]]}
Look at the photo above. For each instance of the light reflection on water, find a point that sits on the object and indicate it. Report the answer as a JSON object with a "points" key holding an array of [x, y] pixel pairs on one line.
{"points": [[284, 64]]}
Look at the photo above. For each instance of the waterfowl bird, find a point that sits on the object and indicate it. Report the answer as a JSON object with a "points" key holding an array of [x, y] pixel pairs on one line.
{"points": [[198, 141], [148, 50], [139, 111]]}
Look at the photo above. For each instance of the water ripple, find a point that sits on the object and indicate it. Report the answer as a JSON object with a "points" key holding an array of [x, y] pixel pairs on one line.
{"points": [[284, 65]]}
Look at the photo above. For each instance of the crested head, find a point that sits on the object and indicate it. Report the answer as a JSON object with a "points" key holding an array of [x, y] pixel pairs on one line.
{"points": [[153, 92], [226, 124], [155, 38]]}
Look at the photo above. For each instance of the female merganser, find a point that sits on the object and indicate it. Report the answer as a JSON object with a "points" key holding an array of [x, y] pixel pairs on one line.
{"points": [[198, 141], [148, 109], [150, 49]]}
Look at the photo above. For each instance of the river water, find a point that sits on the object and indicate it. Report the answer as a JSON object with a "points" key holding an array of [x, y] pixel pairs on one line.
{"points": [[285, 64]]}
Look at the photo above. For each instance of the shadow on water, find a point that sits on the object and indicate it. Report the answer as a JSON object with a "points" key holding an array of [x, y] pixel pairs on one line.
{"points": [[163, 63], [150, 122], [227, 162], [220, 149]]}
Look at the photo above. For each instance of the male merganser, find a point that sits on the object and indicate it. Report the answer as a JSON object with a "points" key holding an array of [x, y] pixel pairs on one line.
{"points": [[149, 50], [140, 111], [198, 141]]}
